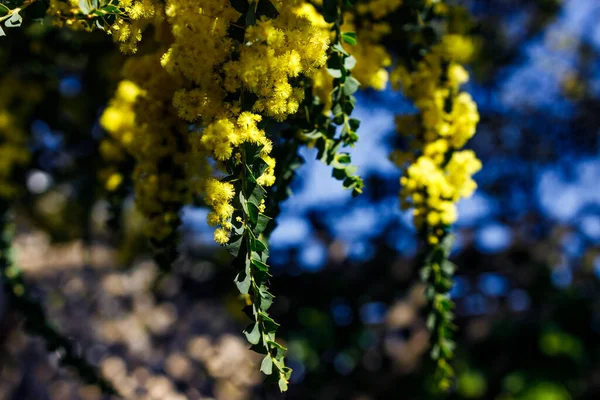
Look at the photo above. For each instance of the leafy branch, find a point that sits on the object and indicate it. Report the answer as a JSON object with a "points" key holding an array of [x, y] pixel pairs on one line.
{"points": [[324, 128], [251, 254], [437, 272]]}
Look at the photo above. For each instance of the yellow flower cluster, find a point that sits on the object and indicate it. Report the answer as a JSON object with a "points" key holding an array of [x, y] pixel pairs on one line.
{"points": [[134, 16], [218, 196], [276, 51], [17, 98], [216, 86], [221, 87], [438, 175], [142, 122], [140, 13], [433, 190]]}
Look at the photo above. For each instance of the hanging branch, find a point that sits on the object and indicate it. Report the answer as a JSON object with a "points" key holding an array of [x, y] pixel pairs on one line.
{"points": [[324, 128], [251, 253], [36, 322], [437, 173], [437, 272]]}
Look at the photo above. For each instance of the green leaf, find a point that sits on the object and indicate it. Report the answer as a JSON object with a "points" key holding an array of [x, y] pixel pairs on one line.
{"points": [[266, 366], [287, 372], [259, 348], [340, 49], [234, 244], [339, 174], [351, 86], [14, 21], [111, 9], [250, 174], [270, 325], [257, 245], [349, 37], [262, 223], [243, 202], [253, 336], [4, 10], [253, 212], [258, 167], [351, 170], [257, 194], [336, 73], [276, 345], [354, 124], [243, 281], [266, 299], [344, 158], [260, 265], [349, 62], [448, 267], [283, 385]]}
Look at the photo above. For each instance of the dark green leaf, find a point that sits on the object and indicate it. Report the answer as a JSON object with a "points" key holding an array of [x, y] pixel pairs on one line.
{"points": [[354, 124], [4, 10], [261, 223], [112, 9], [260, 265], [258, 167], [234, 244], [257, 245], [349, 37], [250, 17], [339, 174], [268, 322], [253, 212]]}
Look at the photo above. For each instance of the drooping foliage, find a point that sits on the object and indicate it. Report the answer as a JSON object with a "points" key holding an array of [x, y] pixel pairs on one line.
{"points": [[213, 103]]}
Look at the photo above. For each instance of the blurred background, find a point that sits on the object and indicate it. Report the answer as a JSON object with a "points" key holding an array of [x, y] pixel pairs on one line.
{"points": [[527, 290]]}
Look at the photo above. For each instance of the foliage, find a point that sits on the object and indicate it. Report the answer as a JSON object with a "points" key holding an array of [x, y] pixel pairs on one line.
{"points": [[211, 91]]}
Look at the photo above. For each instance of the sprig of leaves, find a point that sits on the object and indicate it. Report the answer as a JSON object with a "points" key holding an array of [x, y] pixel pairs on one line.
{"points": [[36, 322], [339, 65], [251, 254], [437, 272]]}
